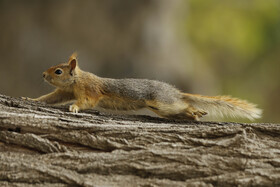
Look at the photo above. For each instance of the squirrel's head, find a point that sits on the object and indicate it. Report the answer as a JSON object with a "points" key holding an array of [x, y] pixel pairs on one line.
{"points": [[62, 75]]}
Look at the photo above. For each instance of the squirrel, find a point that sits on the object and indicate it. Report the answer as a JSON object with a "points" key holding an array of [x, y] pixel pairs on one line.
{"points": [[87, 91]]}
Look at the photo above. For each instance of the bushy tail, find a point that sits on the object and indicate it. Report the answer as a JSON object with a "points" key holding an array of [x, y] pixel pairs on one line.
{"points": [[224, 106]]}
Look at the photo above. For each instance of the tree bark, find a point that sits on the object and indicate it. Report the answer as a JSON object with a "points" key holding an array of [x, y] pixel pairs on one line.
{"points": [[49, 146]]}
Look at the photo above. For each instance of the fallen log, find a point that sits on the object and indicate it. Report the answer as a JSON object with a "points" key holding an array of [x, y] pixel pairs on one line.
{"points": [[49, 146]]}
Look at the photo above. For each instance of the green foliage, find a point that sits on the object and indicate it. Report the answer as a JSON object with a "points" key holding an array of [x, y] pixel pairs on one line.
{"points": [[240, 40]]}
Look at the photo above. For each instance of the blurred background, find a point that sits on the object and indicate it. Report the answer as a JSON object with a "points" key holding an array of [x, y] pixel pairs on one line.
{"points": [[207, 47]]}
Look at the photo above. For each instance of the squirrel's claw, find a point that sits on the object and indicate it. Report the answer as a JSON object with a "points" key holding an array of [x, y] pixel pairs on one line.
{"points": [[74, 108]]}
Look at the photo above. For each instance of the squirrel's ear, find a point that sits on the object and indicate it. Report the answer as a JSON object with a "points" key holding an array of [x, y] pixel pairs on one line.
{"points": [[73, 64], [73, 56]]}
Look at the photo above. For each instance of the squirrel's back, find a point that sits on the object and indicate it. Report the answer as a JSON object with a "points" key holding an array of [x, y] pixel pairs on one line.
{"points": [[141, 89], [134, 94]]}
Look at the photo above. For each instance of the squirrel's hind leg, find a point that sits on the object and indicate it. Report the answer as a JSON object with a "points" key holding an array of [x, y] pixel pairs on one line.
{"points": [[176, 111], [194, 113]]}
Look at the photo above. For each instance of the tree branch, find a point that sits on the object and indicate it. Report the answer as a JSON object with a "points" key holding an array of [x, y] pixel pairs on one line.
{"points": [[46, 145]]}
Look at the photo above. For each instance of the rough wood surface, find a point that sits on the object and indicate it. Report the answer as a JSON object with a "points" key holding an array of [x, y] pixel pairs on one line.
{"points": [[45, 146]]}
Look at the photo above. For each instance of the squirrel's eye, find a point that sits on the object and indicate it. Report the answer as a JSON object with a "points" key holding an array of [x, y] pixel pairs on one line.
{"points": [[58, 71]]}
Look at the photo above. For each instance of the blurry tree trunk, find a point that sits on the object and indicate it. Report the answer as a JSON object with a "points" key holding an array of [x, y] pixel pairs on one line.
{"points": [[114, 38], [50, 146]]}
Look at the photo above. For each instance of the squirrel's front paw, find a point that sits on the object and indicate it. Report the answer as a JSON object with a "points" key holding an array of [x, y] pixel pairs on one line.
{"points": [[27, 99], [74, 108]]}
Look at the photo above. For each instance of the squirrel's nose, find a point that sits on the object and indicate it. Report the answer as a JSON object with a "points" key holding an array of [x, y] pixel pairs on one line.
{"points": [[44, 74]]}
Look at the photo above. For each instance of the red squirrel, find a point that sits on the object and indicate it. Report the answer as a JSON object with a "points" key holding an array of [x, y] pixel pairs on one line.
{"points": [[87, 91]]}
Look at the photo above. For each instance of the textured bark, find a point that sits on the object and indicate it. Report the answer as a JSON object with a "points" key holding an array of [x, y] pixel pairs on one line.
{"points": [[46, 146]]}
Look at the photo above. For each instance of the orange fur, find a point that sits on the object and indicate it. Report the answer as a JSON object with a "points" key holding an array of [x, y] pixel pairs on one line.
{"points": [[73, 56]]}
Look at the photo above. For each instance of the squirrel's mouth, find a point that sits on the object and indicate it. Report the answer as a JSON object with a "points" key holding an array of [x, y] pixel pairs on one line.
{"points": [[49, 80]]}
